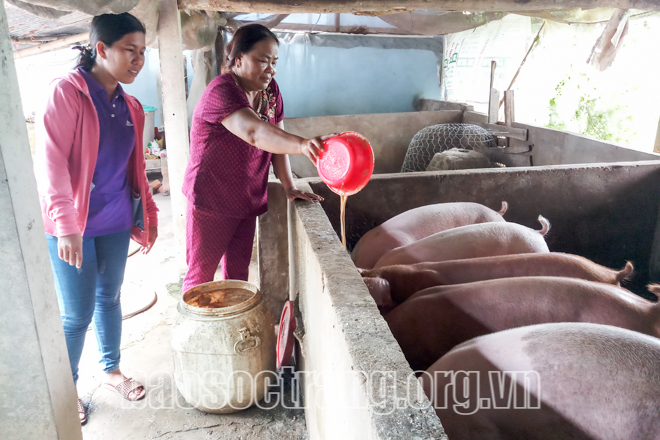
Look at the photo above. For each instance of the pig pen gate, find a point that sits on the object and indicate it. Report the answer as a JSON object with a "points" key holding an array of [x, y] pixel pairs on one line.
{"points": [[598, 209]]}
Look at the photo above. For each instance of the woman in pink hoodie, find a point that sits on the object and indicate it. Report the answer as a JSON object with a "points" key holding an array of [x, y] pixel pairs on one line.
{"points": [[94, 191]]}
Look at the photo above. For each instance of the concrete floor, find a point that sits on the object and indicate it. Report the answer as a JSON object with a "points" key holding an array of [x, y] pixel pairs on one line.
{"points": [[146, 356]]}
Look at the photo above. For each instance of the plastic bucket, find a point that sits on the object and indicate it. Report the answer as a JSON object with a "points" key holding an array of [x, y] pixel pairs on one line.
{"points": [[223, 342]]}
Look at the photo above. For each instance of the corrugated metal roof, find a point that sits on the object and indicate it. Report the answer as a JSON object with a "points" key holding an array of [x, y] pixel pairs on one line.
{"points": [[23, 24]]}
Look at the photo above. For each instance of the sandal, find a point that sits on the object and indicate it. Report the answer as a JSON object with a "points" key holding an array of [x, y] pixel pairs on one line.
{"points": [[82, 413], [124, 389]]}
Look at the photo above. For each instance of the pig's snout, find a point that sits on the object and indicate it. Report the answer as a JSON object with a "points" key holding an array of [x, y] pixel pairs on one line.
{"points": [[379, 289]]}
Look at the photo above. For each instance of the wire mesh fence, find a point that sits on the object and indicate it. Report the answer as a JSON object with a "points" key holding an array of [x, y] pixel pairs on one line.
{"points": [[438, 138]]}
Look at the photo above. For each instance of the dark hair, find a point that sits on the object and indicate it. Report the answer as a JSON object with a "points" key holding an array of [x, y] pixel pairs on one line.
{"points": [[108, 28], [244, 40]]}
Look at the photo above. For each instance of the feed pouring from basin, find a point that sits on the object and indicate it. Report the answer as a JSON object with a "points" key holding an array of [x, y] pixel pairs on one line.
{"points": [[347, 163]]}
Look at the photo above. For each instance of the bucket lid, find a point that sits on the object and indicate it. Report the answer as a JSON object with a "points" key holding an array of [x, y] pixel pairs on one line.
{"points": [[285, 338]]}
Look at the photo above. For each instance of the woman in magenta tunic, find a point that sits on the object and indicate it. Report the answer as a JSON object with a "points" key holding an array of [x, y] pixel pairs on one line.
{"points": [[236, 134]]}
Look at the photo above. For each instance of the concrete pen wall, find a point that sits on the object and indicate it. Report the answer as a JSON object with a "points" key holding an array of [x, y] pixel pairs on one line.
{"points": [[388, 133], [547, 146], [357, 383], [605, 212]]}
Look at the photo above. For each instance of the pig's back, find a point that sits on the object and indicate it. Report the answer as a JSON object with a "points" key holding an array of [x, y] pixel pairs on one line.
{"points": [[596, 382], [470, 241], [416, 224]]}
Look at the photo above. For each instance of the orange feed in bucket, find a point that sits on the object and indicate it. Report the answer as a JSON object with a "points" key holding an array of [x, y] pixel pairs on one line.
{"points": [[347, 163], [218, 298]]}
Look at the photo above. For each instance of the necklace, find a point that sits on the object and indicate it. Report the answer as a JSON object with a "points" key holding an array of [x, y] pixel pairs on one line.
{"points": [[260, 93], [261, 100]]}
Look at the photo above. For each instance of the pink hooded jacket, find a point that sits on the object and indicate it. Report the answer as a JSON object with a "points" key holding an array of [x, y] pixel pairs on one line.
{"points": [[67, 148]]}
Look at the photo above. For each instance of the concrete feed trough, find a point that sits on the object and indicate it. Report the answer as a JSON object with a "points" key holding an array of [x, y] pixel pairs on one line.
{"points": [[356, 381]]}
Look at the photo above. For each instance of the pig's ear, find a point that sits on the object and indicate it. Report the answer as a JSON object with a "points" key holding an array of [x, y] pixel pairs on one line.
{"points": [[625, 273], [369, 273], [654, 289]]}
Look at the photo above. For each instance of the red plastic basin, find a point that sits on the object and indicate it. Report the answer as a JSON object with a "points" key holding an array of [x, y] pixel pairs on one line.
{"points": [[347, 163], [285, 338]]}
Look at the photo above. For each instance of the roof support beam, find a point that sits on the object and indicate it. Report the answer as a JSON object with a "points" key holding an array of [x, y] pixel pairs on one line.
{"points": [[175, 116], [393, 6], [60, 43], [273, 21], [301, 27], [38, 397], [40, 40], [656, 147]]}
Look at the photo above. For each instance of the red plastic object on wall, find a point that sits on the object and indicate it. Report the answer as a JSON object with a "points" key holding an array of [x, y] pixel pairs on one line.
{"points": [[347, 163], [285, 337]]}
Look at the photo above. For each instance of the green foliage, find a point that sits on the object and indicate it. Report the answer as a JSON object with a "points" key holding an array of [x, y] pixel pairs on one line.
{"points": [[593, 122], [554, 120], [591, 118]]}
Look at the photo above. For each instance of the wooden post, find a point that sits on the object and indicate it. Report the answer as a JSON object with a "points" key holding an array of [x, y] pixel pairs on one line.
{"points": [[494, 97], [337, 22], [332, 6], [164, 170], [219, 51], [531, 46], [509, 111], [38, 397], [175, 115], [186, 87], [656, 147]]}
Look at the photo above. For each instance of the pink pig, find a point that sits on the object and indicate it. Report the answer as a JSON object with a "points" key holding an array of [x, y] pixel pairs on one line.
{"points": [[471, 241], [549, 381], [435, 320], [394, 284], [418, 223]]}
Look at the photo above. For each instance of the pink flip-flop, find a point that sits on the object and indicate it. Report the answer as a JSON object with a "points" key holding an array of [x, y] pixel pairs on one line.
{"points": [[82, 413], [124, 389]]}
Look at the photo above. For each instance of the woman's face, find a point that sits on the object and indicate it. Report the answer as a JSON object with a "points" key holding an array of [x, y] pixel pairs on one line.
{"points": [[257, 67], [125, 58]]}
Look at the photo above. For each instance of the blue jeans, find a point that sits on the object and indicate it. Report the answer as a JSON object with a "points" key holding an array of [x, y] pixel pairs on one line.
{"points": [[93, 291]]}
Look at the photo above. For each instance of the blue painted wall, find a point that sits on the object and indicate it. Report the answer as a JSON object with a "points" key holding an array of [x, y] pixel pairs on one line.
{"points": [[315, 80], [325, 81], [37, 72]]}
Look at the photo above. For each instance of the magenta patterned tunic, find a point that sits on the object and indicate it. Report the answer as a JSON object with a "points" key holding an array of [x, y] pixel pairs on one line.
{"points": [[226, 175]]}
